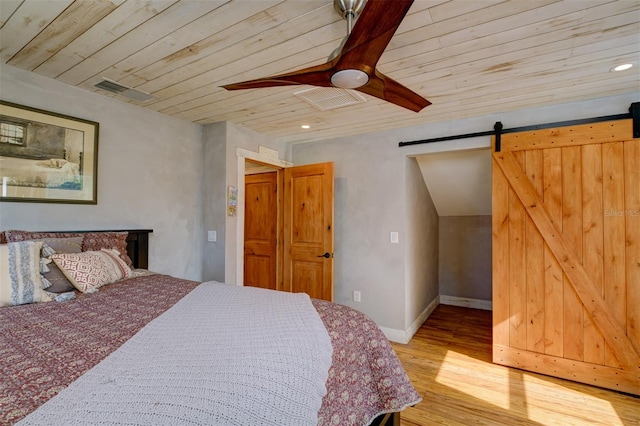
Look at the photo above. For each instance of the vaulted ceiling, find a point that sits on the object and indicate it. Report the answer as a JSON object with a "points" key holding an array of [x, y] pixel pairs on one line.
{"points": [[468, 57]]}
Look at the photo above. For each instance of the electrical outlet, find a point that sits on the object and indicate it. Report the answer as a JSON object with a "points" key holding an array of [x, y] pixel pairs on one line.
{"points": [[393, 237], [356, 296], [212, 236]]}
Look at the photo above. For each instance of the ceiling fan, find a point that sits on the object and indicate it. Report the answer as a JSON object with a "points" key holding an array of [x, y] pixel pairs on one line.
{"points": [[353, 64]]}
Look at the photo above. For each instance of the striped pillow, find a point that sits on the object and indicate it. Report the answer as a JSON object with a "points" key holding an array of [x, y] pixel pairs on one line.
{"points": [[90, 270], [20, 281]]}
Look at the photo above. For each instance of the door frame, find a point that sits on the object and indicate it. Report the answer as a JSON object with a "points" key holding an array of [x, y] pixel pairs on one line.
{"points": [[242, 156]]}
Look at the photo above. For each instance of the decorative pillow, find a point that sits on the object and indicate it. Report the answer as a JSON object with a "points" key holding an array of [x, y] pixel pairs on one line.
{"points": [[94, 241], [15, 235], [20, 281], [3, 237], [90, 270], [58, 280], [63, 245]]}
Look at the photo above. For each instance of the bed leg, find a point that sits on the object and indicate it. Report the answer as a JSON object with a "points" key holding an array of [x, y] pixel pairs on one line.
{"points": [[389, 419]]}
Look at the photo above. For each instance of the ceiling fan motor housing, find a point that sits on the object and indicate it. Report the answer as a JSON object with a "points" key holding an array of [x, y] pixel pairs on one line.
{"points": [[349, 7], [348, 78]]}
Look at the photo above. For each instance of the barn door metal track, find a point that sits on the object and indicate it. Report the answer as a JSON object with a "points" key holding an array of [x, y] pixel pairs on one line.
{"points": [[634, 113]]}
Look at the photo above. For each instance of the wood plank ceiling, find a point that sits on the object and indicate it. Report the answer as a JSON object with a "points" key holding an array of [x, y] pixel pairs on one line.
{"points": [[468, 57]]}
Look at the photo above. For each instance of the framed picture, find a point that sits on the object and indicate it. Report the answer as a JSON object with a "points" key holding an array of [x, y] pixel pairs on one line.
{"points": [[232, 201], [47, 157]]}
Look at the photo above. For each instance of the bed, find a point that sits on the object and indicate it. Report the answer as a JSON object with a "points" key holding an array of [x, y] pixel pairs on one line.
{"points": [[50, 352], [48, 173]]}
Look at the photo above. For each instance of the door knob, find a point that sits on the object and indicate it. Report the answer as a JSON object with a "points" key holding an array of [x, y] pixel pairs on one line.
{"points": [[326, 255]]}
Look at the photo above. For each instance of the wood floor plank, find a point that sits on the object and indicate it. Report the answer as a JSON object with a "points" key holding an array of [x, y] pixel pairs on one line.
{"points": [[449, 362]]}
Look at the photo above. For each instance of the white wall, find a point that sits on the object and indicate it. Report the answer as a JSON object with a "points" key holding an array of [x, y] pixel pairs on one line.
{"points": [[149, 173], [468, 177], [371, 197]]}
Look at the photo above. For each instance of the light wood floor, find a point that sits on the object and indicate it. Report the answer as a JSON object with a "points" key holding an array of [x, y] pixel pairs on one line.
{"points": [[449, 363]]}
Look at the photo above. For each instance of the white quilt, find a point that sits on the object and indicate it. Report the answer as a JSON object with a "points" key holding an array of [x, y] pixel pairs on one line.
{"points": [[223, 355]]}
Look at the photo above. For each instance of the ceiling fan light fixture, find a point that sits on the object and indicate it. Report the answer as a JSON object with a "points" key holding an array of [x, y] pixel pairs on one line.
{"points": [[349, 79], [622, 67]]}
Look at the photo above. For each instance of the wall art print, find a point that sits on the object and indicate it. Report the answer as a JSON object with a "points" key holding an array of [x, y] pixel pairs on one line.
{"points": [[47, 157]]}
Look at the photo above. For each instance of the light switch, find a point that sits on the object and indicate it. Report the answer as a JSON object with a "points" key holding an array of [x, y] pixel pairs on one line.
{"points": [[394, 237], [212, 236]]}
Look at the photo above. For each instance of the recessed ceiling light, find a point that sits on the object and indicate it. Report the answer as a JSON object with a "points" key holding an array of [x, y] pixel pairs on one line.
{"points": [[622, 67], [305, 126]]}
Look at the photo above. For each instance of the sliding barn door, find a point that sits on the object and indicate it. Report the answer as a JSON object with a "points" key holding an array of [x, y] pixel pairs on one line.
{"points": [[566, 253]]}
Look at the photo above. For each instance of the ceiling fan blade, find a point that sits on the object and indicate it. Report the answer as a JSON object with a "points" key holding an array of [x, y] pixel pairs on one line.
{"points": [[372, 32], [318, 75], [387, 89], [362, 49]]}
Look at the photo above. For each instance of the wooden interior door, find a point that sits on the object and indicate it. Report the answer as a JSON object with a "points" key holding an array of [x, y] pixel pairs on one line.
{"points": [[566, 253], [260, 230], [308, 230]]}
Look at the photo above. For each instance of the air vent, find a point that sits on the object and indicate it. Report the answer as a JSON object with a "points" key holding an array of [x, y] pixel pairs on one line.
{"points": [[119, 89], [111, 86], [326, 98]]}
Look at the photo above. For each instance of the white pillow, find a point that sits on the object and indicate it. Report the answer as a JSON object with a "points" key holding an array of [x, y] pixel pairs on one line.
{"points": [[90, 270], [20, 281]]}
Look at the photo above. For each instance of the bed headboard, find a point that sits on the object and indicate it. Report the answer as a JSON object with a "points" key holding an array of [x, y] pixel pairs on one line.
{"points": [[137, 244], [138, 247]]}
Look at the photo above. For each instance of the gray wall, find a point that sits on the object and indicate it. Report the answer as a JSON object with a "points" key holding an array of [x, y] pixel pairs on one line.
{"points": [[149, 173], [172, 194], [372, 199], [422, 245], [215, 159], [221, 142], [465, 257]]}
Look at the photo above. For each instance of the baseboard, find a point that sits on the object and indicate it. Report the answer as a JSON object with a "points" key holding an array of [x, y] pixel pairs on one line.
{"points": [[404, 336], [467, 303], [395, 335]]}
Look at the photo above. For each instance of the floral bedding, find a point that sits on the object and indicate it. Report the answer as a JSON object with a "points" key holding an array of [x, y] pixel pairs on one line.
{"points": [[366, 378], [44, 347]]}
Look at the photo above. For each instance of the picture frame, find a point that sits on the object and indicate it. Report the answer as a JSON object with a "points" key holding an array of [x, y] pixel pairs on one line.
{"points": [[232, 201], [47, 157]]}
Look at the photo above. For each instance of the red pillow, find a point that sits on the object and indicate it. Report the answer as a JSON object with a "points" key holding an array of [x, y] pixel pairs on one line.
{"points": [[15, 236], [96, 241], [93, 241]]}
